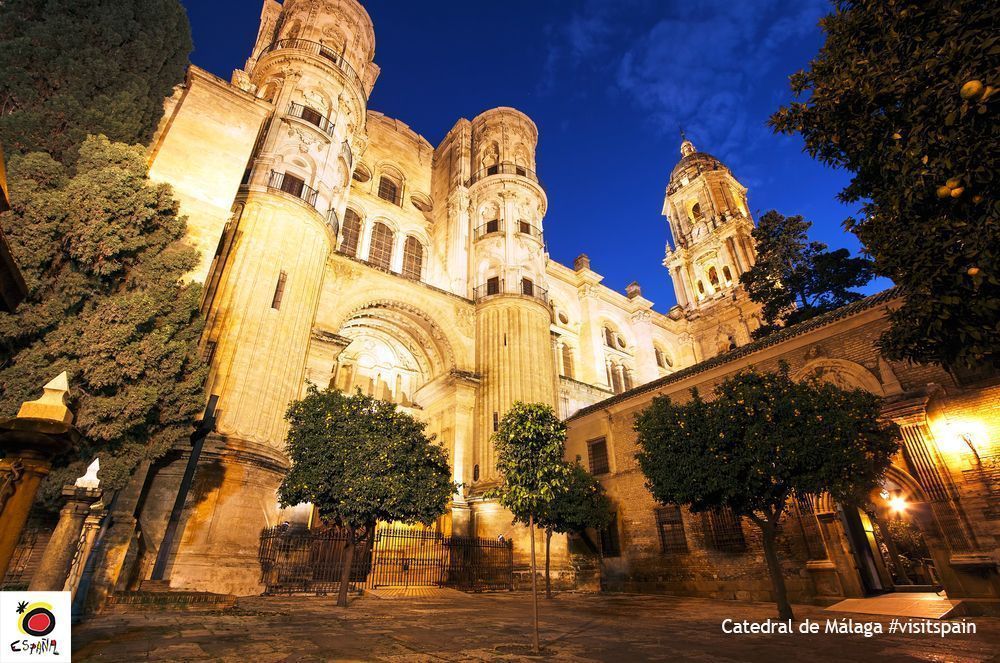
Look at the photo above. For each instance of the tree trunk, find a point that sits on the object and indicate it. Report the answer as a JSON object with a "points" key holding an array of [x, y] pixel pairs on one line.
{"points": [[548, 581], [770, 532], [345, 572], [534, 586]]}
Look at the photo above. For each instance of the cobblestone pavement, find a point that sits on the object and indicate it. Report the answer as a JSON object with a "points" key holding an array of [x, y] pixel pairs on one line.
{"points": [[495, 627]]}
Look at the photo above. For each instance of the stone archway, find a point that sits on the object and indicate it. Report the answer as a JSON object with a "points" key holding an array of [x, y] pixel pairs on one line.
{"points": [[841, 373], [391, 350]]}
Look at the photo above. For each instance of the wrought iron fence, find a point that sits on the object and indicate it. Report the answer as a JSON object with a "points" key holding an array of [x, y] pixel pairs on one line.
{"points": [[311, 561]]}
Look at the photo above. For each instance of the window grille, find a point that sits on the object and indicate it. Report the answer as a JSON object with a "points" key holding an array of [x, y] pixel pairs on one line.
{"points": [[380, 251], [413, 258], [723, 531], [610, 542], [388, 190], [670, 527], [567, 357], [597, 452], [352, 233]]}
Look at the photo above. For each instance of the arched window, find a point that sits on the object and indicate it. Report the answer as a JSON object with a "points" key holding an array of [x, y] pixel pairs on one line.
{"points": [[701, 289], [351, 233], [726, 274], [380, 252], [713, 276], [696, 211], [388, 189], [413, 258], [609, 337], [627, 374], [616, 378], [567, 360], [659, 358]]}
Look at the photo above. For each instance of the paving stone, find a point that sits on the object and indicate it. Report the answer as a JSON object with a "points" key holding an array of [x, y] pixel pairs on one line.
{"points": [[496, 627]]}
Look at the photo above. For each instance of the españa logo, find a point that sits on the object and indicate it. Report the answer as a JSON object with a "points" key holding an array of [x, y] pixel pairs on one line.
{"points": [[35, 619], [35, 626]]}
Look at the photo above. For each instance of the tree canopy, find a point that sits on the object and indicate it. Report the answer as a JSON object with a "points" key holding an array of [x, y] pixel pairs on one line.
{"points": [[359, 460], [102, 254], [578, 505], [762, 439], [69, 68], [795, 279], [529, 444], [902, 94]]}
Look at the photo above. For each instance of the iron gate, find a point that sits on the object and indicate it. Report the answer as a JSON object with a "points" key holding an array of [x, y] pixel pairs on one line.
{"points": [[311, 561]]}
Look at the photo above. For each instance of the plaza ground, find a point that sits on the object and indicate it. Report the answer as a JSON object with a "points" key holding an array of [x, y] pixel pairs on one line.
{"points": [[451, 626]]}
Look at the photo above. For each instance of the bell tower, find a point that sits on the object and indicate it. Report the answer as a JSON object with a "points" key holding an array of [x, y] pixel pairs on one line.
{"points": [[710, 223]]}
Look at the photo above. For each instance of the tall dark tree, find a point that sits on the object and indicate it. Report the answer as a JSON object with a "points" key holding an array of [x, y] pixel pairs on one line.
{"points": [[359, 460], [69, 68], [102, 254], [903, 95], [761, 440], [795, 279]]}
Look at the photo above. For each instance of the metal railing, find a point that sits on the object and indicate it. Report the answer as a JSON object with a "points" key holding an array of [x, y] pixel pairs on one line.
{"points": [[292, 185], [505, 168], [312, 561], [312, 116], [526, 228], [488, 228], [523, 288], [316, 48]]}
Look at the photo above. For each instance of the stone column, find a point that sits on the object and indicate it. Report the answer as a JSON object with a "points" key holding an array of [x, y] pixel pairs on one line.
{"points": [[41, 430], [62, 546]]}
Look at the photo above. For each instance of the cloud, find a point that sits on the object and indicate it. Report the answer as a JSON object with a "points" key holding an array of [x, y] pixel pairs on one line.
{"points": [[691, 64]]}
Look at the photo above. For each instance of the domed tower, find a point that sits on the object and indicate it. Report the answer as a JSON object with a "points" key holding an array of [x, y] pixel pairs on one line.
{"points": [[313, 62], [706, 208], [509, 284]]}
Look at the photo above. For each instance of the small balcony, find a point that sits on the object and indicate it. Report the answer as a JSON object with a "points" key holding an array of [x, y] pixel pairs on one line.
{"points": [[494, 227], [292, 185], [313, 117], [316, 48], [497, 286], [506, 168]]}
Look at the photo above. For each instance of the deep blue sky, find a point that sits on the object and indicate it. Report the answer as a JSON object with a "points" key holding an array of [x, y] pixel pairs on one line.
{"points": [[608, 82]]}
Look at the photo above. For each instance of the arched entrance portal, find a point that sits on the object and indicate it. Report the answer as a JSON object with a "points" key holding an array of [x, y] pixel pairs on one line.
{"points": [[393, 351], [888, 537]]}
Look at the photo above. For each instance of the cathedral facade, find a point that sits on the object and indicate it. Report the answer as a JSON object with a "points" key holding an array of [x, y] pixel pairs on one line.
{"points": [[340, 248]]}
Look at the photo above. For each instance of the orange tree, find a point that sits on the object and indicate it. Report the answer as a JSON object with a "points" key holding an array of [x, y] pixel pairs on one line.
{"points": [[903, 95], [529, 444], [762, 439], [359, 460]]}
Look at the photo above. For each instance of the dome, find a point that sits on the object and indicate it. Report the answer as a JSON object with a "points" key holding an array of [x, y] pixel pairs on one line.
{"points": [[693, 160]]}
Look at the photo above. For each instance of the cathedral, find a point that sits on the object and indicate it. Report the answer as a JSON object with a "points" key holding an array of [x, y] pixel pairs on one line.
{"points": [[340, 248]]}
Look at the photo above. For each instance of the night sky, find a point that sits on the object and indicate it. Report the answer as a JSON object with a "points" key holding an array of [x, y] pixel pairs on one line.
{"points": [[609, 83]]}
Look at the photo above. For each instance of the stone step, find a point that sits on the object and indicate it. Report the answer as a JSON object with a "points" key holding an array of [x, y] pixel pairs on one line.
{"points": [[923, 605]]}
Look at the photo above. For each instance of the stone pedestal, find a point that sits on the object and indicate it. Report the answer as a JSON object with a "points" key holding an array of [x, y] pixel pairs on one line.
{"points": [[41, 430], [62, 546]]}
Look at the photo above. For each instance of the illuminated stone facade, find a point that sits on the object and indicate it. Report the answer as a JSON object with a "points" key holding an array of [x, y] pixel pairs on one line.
{"points": [[943, 486], [340, 248]]}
